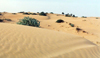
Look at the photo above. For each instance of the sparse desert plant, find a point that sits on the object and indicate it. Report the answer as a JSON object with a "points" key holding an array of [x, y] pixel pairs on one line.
{"points": [[34, 14], [0, 13], [78, 29], [68, 15], [21, 12], [84, 17], [1, 20], [26, 13], [63, 13], [43, 14], [14, 13], [73, 16], [37, 12], [60, 21], [29, 21], [97, 18], [72, 25], [30, 13], [51, 13], [8, 19]]}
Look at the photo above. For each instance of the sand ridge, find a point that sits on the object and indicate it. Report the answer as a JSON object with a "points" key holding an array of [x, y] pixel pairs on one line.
{"points": [[18, 41]]}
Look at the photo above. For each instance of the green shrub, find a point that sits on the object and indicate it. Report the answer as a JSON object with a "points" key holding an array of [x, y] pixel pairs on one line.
{"points": [[60, 21], [72, 25], [43, 14], [29, 21]]}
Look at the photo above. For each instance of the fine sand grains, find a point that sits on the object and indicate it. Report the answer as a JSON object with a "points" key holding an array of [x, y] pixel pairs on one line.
{"points": [[18, 41]]}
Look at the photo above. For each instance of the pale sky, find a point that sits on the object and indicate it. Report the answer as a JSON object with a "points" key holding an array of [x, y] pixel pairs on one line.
{"points": [[77, 7]]}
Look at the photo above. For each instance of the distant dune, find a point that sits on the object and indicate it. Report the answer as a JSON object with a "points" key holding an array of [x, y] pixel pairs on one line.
{"points": [[51, 40]]}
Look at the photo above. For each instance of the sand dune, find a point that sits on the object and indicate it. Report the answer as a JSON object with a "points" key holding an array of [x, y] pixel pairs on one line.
{"points": [[18, 41], [90, 24]]}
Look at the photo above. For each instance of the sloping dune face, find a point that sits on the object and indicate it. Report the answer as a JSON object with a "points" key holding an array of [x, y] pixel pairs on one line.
{"points": [[18, 41]]}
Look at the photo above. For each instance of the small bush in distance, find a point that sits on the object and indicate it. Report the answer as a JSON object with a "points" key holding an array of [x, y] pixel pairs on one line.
{"points": [[43, 14], [63, 13], [34, 14], [51, 13], [29, 21], [1, 20], [84, 17], [26, 13], [60, 21], [68, 15], [14, 13], [97, 18], [0, 13], [8, 19], [37, 12], [74, 16], [21, 12]]}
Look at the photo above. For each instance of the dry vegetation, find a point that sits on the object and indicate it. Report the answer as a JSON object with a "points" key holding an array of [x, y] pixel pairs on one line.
{"points": [[59, 36]]}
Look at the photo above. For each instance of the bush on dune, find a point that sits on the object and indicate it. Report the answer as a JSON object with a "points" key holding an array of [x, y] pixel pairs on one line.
{"points": [[26, 13], [29, 21], [14, 13], [60, 21], [0, 13], [84, 17], [51, 13], [43, 14], [34, 14], [68, 15], [21, 12], [63, 13], [97, 18], [8, 19], [72, 25], [1, 20]]}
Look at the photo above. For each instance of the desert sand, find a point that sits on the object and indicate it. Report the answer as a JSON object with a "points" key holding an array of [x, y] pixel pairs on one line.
{"points": [[51, 40]]}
